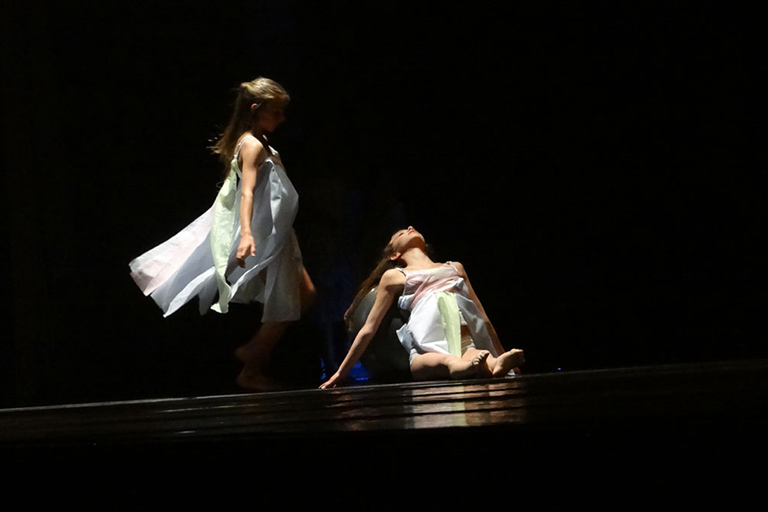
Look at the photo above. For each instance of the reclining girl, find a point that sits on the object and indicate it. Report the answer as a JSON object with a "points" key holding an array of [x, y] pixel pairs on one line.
{"points": [[447, 335]]}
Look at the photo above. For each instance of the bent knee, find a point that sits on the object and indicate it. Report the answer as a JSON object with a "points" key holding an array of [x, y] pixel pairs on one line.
{"points": [[308, 297], [430, 366]]}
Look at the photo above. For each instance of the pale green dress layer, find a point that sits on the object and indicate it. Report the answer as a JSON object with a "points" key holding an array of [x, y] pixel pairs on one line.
{"points": [[199, 261]]}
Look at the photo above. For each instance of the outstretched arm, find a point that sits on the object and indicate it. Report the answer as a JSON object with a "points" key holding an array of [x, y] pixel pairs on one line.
{"points": [[390, 285], [472, 295]]}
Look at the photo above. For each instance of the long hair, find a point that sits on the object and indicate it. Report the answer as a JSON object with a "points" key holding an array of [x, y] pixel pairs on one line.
{"points": [[257, 91], [385, 263]]}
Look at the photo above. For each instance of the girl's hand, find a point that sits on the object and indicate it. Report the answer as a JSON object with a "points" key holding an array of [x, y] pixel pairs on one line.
{"points": [[333, 382], [246, 248]]}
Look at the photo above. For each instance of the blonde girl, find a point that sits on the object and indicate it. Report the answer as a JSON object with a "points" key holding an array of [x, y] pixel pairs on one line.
{"points": [[243, 249]]}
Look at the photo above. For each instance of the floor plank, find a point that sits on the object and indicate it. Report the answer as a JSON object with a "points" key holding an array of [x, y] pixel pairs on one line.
{"points": [[689, 424]]}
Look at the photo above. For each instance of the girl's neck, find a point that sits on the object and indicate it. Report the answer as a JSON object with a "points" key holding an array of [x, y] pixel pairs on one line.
{"points": [[417, 258], [258, 133]]}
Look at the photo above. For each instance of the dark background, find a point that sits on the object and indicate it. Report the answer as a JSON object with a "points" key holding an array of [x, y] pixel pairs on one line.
{"points": [[594, 166]]}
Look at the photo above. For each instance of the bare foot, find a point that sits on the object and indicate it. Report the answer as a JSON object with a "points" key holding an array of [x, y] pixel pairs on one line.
{"points": [[508, 361], [255, 381], [465, 369], [244, 353]]}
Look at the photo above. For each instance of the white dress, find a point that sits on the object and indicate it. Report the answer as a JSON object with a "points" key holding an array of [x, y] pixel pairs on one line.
{"points": [[199, 261], [438, 305]]}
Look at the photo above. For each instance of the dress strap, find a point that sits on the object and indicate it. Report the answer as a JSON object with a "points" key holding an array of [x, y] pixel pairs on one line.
{"points": [[269, 149], [239, 145]]}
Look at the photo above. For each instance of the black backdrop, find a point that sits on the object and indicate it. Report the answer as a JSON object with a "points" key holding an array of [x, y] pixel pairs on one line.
{"points": [[593, 166]]}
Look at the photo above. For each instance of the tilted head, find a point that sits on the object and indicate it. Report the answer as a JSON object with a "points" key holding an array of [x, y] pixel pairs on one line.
{"points": [[263, 101], [260, 104], [403, 241]]}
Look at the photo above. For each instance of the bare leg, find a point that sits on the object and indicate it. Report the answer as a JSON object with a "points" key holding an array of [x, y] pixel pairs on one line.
{"points": [[252, 377], [307, 295], [434, 366], [307, 291], [255, 354]]}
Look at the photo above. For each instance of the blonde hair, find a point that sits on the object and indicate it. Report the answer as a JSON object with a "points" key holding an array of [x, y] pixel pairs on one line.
{"points": [[257, 91]]}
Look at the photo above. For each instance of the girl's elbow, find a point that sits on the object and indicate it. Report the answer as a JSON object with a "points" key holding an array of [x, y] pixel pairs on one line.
{"points": [[366, 332]]}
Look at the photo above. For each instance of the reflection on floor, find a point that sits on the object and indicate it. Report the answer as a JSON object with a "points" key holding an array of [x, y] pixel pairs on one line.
{"points": [[673, 426]]}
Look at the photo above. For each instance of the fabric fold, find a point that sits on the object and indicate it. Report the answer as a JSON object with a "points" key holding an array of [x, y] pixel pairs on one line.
{"points": [[449, 315], [199, 261], [437, 301], [225, 212]]}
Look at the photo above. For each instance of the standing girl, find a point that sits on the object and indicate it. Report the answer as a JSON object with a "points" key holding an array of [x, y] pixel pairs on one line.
{"points": [[447, 335], [243, 249]]}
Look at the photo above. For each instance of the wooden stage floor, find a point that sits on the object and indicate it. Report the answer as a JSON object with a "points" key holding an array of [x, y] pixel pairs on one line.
{"points": [[678, 426]]}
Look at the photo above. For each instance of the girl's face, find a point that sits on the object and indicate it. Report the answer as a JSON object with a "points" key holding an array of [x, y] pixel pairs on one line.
{"points": [[270, 115], [405, 239]]}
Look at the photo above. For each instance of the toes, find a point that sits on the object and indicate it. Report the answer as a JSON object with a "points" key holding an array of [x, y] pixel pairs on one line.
{"points": [[480, 358]]}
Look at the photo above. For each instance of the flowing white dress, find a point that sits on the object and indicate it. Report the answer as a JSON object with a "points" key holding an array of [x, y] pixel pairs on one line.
{"points": [[199, 261]]}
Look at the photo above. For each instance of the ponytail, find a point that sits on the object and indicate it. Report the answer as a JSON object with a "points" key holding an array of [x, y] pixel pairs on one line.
{"points": [[256, 91]]}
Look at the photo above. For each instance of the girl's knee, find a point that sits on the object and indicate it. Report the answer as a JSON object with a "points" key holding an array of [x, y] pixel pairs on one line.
{"points": [[308, 298], [307, 291], [430, 366]]}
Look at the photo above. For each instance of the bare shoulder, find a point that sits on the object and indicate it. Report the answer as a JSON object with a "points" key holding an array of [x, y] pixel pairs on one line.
{"points": [[251, 143], [459, 268], [252, 150], [392, 279]]}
